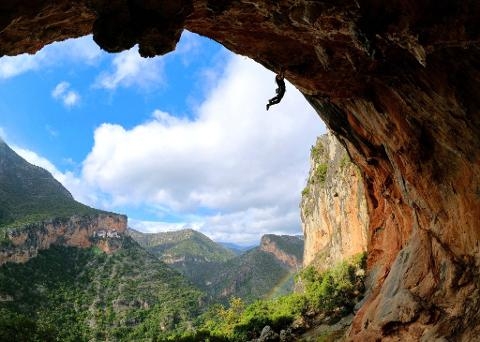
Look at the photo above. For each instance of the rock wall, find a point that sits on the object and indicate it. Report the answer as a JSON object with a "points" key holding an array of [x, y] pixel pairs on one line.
{"points": [[333, 207], [398, 82], [103, 230], [285, 248]]}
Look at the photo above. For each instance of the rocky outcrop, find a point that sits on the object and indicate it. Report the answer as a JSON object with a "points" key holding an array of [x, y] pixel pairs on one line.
{"points": [[333, 208], [103, 231], [398, 82], [285, 248]]}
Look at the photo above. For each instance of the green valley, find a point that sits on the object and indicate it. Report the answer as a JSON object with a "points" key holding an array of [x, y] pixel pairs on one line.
{"points": [[257, 273], [76, 294], [188, 251]]}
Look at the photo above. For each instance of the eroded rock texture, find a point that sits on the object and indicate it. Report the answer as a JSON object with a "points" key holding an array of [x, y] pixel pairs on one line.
{"points": [[333, 207], [104, 231], [398, 83], [286, 249]]}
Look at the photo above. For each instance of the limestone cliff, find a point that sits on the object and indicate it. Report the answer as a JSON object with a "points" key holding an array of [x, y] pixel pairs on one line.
{"points": [[102, 230], [398, 82], [333, 208]]}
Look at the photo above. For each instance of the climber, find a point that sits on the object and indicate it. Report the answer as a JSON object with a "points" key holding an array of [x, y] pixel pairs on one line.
{"points": [[279, 78]]}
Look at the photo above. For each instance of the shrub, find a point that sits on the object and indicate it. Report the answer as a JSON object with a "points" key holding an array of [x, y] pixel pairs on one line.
{"points": [[305, 191], [338, 287], [344, 161], [320, 173], [317, 151]]}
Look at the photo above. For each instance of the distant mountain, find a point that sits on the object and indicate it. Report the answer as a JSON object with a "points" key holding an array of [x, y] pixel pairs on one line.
{"points": [[188, 251], [258, 273], [74, 294], [29, 193], [235, 248]]}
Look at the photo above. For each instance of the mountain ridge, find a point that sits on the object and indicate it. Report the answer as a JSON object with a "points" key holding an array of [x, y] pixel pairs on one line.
{"points": [[29, 193]]}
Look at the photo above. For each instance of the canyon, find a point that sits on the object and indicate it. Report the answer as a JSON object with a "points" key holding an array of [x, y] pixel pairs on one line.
{"points": [[396, 82]]}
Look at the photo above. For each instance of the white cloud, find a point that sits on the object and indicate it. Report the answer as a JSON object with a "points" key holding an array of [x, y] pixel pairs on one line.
{"points": [[157, 226], [80, 50], [63, 93], [235, 159], [130, 69], [244, 227], [71, 98], [60, 89], [13, 66]]}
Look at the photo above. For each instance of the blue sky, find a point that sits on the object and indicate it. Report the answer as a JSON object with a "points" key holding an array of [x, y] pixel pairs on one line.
{"points": [[181, 140]]}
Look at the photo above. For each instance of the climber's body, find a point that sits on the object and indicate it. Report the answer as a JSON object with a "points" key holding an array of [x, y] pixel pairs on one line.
{"points": [[280, 90]]}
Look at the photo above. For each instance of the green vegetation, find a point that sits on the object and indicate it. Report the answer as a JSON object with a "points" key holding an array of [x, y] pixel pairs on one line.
{"points": [[306, 191], [30, 194], [189, 252], [249, 276], [344, 161], [186, 242], [317, 151], [333, 293], [320, 173], [216, 270], [72, 294]]}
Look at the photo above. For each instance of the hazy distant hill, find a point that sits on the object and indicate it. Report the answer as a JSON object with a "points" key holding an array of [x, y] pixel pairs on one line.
{"points": [[188, 251], [29, 193], [235, 248]]}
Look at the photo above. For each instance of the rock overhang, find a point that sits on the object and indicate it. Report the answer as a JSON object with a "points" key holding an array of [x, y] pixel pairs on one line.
{"points": [[398, 84]]}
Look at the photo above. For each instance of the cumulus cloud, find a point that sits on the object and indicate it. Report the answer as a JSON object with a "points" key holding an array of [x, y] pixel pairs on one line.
{"points": [[65, 94], [130, 69], [83, 50], [243, 227], [236, 160]]}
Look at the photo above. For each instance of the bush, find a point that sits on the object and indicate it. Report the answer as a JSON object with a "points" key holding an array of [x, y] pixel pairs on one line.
{"points": [[305, 191], [317, 151], [320, 173]]}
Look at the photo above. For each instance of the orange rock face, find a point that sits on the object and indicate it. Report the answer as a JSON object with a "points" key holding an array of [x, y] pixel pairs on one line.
{"points": [[269, 245], [103, 230], [398, 82], [333, 208]]}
